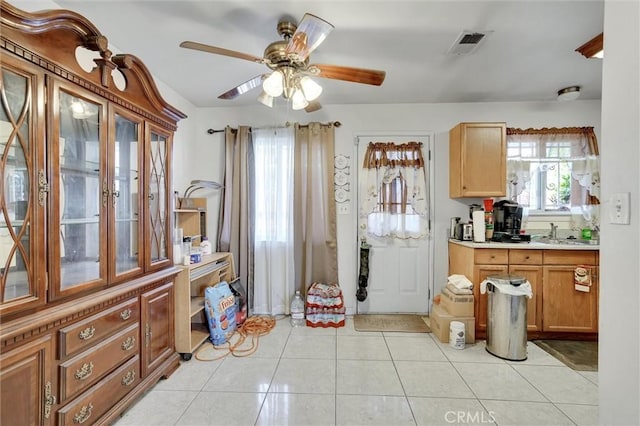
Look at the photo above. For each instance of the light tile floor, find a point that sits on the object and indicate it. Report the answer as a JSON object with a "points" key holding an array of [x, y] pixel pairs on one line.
{"points": [[313, 376]]}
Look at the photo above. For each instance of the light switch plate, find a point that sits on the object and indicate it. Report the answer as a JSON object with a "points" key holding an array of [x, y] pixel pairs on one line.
{"points": [[619, 208]]}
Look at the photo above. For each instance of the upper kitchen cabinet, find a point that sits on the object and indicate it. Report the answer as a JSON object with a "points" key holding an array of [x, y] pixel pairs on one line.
{"points": [[478, 160]]}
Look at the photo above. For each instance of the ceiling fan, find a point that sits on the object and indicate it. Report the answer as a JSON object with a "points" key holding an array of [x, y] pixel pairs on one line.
{"points": [[289, 61]]}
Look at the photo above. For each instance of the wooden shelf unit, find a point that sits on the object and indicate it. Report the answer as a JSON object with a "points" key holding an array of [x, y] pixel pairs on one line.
{"points": [[192, 218], [191, 324]]}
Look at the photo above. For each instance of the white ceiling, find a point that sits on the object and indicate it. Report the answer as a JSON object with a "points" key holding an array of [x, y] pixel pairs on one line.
{"points": [[528, 56]]}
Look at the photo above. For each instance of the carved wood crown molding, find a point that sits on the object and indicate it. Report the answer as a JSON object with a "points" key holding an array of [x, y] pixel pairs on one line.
{"points": [[30, 36]]}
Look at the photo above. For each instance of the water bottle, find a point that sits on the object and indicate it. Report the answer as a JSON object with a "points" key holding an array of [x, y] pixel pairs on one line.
{"points": [[297, 310]]}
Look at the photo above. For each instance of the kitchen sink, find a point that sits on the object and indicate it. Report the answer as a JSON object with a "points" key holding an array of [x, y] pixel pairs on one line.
{"points": [[567, 241]]}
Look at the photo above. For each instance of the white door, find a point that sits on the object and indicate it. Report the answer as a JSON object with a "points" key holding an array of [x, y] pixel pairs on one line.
{"points": [[400, 270]]}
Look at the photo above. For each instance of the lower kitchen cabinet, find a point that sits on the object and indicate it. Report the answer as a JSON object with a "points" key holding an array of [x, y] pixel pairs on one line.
{"points": [[480, 273], [27, 384], [566, 309], [534, 305], [556, 307], [528, 264]]}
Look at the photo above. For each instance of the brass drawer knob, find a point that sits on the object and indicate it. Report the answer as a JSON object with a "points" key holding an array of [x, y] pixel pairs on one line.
{"points": [[83, 415], [128, 344], [87, 333], [125, 315], [129, 378], [85, 371]]}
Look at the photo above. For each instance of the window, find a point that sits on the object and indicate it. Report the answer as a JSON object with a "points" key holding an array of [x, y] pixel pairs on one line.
{"points": [[552, 170], [273, 160], [395, 199]]}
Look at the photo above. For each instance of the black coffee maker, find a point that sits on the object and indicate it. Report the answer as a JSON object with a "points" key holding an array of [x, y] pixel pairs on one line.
{"points": [[507, 220]]}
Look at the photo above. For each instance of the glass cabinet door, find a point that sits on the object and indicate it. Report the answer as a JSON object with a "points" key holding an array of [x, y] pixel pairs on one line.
{"points": [[125, 156], [157, 198], [78, 218], [21, 214]]}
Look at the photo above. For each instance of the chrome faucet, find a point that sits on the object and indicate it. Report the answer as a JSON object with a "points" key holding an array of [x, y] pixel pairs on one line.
{"points": [[553, 233]]}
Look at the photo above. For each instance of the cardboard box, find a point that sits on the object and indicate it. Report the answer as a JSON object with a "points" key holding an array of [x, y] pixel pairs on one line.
{"points": [[441, 320], [459, 305]]}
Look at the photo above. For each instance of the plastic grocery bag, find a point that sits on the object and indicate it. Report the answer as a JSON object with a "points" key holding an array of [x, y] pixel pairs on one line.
{"points": [[220, 309]]}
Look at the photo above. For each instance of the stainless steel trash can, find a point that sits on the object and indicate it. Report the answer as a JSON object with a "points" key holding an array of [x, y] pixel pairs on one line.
{"points": [[506, 318]]}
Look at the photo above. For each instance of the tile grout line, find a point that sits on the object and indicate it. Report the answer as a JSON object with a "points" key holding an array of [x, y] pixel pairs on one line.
{"points": [[395, 368], [266, 393]]}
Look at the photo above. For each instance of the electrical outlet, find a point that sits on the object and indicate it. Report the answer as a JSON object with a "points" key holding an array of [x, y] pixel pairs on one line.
{"points": [[619, 208], [344, 208]]}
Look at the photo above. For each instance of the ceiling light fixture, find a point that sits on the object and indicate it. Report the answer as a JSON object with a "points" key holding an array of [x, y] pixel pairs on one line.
{"points": [[290, 84], [569, 93], [594, 48]]}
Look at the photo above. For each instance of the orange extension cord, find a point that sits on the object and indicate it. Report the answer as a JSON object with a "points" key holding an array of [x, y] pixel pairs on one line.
{"points": [[255, 327]]}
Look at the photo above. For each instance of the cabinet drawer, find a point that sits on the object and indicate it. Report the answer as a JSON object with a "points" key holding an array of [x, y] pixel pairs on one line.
{"points": [[90, 406], [82, 371], [89, 331], [525, 257], [491, 256], [570, 257]]}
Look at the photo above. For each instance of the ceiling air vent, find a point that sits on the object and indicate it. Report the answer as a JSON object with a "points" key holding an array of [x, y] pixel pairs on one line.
{"points": [[467, 42]]}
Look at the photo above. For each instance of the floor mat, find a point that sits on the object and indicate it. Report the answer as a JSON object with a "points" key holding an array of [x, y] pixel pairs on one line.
{"points": [[580, 356], [391, 322]]}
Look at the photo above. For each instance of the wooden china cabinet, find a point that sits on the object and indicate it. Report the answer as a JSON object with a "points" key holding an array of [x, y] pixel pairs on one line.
{"points": [[86, 277]]}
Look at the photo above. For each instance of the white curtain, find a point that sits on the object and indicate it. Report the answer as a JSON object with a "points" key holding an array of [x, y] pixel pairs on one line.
{"points": [[527, 151], [587, 172], [395, 200], [519, 173], [274, 269]]}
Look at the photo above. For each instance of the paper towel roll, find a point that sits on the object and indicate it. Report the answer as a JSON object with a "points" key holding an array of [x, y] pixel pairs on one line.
{"points": [[478, 226]]}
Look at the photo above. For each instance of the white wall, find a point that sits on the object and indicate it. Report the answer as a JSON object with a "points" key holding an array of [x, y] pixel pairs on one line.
{"points": [[208, 152], [619, 348]]}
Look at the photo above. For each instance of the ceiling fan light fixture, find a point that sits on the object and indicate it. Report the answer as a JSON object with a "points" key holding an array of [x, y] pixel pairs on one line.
{"points": [[309, 34], [298, 100], [570, 93], [265, 99], [274, 84], [310, 88]]}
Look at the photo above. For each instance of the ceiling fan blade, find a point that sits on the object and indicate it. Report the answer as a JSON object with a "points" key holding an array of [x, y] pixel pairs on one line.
{"points": [[244, 87], [313, 106], [356, 75], [220, 51], [310, 33]]}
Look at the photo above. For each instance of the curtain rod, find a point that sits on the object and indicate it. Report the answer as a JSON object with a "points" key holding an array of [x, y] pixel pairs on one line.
{"points": [[287, 124]]}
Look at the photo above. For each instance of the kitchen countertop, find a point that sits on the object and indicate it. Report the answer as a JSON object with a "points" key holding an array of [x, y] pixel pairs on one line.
{"points": [[533, 245]]}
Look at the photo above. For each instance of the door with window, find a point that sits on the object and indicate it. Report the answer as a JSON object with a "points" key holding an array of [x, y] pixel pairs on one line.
{"points": [[394, 206]]}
